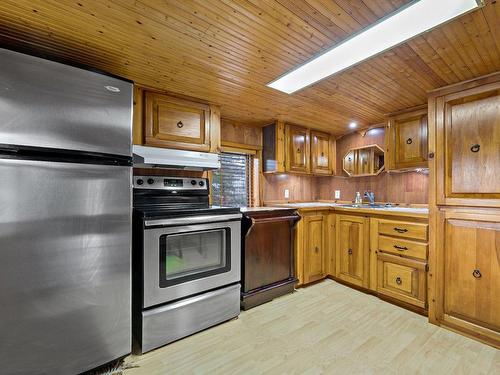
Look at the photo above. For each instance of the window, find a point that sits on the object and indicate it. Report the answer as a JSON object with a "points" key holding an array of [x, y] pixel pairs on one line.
{"points": [[231, 184]]}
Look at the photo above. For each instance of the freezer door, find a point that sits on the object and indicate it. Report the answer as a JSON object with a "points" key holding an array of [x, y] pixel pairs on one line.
{"points": [[48, 104], [65, 281]]}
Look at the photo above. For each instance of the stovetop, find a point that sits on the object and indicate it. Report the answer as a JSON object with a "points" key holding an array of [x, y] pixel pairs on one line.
{"points": [[167, 197], [146, 213]]}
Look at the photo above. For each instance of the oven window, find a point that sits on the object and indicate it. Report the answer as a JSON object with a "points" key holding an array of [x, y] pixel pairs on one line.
{"points": [[194, 255]]}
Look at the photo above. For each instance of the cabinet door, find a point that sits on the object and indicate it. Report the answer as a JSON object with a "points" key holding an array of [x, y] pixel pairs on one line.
{"points": [[351, 250], [322, 158], [468, 141], [472, 272], [402, 279], [176, 123], [298, 149], [314, 262], [410, 141], [365, 161], [349, 162]]}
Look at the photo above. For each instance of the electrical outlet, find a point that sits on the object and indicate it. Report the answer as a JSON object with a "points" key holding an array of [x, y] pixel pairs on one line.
{"points": [[287, 193], [337, 194]]}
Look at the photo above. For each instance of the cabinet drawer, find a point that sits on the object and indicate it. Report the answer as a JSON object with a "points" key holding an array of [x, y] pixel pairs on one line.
{"points": [[403, 247], [403, 229], [402, 279]]}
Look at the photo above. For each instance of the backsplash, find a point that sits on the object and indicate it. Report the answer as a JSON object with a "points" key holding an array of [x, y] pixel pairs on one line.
{"points": [[409, 187]]}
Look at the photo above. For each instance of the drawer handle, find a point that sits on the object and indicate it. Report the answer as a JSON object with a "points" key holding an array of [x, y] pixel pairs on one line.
{"points": [[409, 141], [349, 251], [400, 230], [475, 148], [477, 274], [398, 280], [400, 248], [180, 124]]}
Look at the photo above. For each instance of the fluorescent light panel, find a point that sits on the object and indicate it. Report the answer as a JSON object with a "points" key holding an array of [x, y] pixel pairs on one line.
{"points": [[403, 25]]}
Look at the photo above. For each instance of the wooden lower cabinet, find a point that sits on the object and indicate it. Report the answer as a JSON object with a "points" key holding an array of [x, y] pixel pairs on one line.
{"points": [[467, 273], [402, 279], [313, 246], [314, 249], [352, 249]]}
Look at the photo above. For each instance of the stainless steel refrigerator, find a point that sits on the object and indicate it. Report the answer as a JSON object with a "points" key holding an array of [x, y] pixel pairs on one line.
{"points": [[65, 216]]}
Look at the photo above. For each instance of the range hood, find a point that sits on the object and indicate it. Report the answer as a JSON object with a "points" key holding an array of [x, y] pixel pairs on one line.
{"points": [[174, 159]]}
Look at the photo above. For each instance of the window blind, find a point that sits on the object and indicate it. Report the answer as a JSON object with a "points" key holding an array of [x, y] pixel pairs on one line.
{"points": [[231, 183]]}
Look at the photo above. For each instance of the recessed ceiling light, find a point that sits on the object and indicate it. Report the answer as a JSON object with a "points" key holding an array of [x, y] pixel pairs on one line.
{"points": [[409, 21], [352, 125]]}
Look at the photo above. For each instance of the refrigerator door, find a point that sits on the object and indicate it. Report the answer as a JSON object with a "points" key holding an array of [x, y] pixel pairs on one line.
{"points": [[51, 105], [65, 266]]}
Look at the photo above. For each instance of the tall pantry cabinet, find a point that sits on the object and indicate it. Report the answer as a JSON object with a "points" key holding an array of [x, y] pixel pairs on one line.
{"points": [[464, 161]]}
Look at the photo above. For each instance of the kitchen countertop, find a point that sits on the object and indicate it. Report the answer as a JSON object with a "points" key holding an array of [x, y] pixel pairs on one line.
{"points": [[264, 209], [366, 209]]}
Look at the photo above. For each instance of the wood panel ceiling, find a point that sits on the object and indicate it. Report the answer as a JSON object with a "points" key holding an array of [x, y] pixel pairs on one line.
{"points": [[226, 51]]}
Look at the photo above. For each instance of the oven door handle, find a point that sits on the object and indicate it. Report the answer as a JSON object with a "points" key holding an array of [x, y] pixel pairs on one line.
{"points": [[191, 220]]}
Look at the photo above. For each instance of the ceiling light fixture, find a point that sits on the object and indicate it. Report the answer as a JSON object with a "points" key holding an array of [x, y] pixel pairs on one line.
{"points": [[352, 125], [409, 21]]}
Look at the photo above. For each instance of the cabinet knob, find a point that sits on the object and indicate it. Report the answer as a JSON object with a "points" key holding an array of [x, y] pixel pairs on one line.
{"points": [[409, 141], [298, 151], [316, 249], [349, 251], [180, 124], [398, 280], [322, 154], [477, 274], [475, 148], [400, 248]]}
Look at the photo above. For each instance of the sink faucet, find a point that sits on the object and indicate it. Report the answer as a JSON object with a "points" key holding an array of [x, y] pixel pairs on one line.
{"points": [[371, 197]]}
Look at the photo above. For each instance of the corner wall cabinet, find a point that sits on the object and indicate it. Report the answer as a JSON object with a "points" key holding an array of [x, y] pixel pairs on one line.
{"points": [[363, 161], [406, 140], [464, 134], [289, 148]]}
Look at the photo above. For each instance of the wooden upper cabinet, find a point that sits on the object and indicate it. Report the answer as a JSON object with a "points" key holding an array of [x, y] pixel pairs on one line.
{"points": [[161, 120], [171, 121], [406, 140], [364, 161], [322, 153], [467, 148], [471, 267], [297, 151], [352, 252]]}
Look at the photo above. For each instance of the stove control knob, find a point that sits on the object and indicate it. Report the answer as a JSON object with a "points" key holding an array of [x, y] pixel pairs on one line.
{"points": [[201, 183], [151, 181], [140, 181], [193, 182]]}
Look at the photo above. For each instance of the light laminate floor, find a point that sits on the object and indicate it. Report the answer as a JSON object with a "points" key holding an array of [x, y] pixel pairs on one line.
{"points": [[326, 328]]}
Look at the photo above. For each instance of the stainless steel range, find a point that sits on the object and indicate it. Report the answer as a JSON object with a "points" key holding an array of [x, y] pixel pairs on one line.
{"points": [[186, 260]]}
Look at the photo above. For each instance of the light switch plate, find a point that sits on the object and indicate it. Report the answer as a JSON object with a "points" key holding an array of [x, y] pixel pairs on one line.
{"points": [[287, 193], [337, 194]]}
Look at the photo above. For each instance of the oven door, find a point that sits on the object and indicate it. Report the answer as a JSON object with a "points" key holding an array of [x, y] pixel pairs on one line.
{"points": [[186, 256]]}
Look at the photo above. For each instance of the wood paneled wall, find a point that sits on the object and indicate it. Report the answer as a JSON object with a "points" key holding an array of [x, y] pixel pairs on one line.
{"points": [[274, 185]]}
